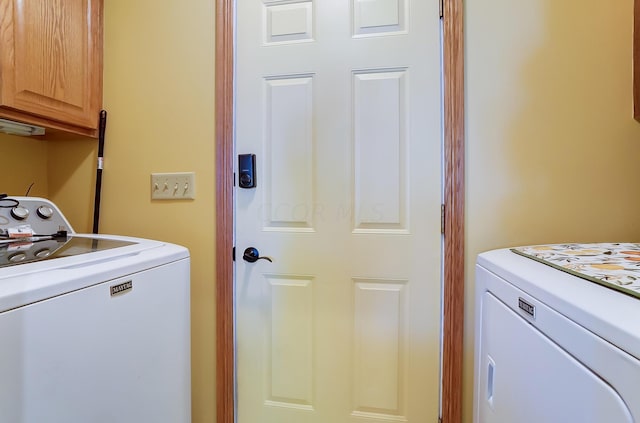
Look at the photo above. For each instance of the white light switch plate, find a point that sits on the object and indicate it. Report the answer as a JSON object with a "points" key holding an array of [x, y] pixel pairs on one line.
{"points": [[173, 186]]}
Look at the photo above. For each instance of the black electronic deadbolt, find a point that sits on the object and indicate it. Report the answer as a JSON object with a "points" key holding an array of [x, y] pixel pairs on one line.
{"points": [[247, 170]]}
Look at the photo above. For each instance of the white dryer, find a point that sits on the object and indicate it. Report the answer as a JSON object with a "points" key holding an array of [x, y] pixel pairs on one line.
{"points": [[551, 347], [93, 328]]}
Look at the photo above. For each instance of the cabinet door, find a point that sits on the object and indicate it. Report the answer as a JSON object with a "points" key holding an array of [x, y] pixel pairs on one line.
{"points": [[51, 62]]}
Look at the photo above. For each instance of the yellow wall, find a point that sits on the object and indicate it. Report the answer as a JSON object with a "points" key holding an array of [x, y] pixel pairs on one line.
{"points": [[24, 161], [159, 95], [552, 149], [551, 145], [71, 176]]}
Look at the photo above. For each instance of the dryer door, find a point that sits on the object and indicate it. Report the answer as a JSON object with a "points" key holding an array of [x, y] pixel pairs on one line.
{"points": [[525, 377]]}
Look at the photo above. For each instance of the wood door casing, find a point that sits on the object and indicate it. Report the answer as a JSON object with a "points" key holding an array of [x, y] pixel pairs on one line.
{"points": [[636, 60], [454, 211], [454, 192]]}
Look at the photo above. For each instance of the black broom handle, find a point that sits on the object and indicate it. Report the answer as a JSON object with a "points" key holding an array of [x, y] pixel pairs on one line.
{"points": [[96, 205]]}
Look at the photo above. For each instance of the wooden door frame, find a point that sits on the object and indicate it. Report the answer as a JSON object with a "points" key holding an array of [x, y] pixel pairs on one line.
{"points": [[453, 290]]}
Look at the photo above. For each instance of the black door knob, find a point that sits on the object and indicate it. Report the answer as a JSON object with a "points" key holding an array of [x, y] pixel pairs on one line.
{"points": [[251, 254]]}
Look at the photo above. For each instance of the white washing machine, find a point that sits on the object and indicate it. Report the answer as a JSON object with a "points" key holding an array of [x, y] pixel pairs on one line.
{"points": [[93, 328], [551, 347]]}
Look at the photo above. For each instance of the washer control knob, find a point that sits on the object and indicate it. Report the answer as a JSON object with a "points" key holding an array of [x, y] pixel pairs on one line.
{"points": [[45, 252], [19, 212], [17, 257], [45, 212]]}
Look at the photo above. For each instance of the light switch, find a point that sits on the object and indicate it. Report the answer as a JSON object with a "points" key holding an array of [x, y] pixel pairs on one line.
{"points": [[173, 186]]}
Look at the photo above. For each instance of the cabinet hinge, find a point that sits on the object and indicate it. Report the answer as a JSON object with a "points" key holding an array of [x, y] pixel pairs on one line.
{"points": [[442, 222], [441, 9]]}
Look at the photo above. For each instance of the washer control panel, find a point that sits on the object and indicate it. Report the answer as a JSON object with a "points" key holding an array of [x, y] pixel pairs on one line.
{"points": [[38, 214]]}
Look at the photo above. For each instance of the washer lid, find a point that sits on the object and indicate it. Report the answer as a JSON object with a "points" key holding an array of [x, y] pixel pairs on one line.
{"points": [[28, 251], [80, 262]]}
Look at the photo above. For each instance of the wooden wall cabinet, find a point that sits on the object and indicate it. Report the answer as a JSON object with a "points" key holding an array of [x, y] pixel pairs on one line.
{"points": [[51, 63]]}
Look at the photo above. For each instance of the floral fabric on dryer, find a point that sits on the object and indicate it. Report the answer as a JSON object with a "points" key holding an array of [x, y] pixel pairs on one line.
{"points": [[614, 265]]}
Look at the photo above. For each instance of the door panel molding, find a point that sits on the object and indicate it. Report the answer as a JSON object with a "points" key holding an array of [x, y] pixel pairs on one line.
{"points": [[453, 291]]}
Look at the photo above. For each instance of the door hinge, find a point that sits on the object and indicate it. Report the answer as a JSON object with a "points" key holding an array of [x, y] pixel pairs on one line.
{"points": [[234, 179], [441, 9], [233, 254], [442, 222]]}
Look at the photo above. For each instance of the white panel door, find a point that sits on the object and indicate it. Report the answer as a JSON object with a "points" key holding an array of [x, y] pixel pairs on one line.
{"points": [[340, 102]]}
